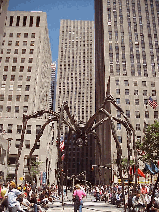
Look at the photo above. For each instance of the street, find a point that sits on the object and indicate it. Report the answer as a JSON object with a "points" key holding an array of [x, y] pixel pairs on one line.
{"points": [[89, 204]]}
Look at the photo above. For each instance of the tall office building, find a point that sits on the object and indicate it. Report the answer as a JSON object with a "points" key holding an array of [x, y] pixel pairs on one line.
{"points": [[25, 87], [76, 85], [127, 50], [3, 13], [53, 85]]}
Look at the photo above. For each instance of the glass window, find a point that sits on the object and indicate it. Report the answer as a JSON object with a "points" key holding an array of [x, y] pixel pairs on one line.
{"points": [[5, 68], [13, 68], [8, 51], [29, 68], [18, 98], [19, 129], [118, 91], [118, 114], [128, 113], [23, 51], [135, 83], [24, 43], [1, 108], [27, 144], [127, 101], [9, 97], [30, 60], [27, 87], [137, 114], [14, 59], [20, 78], [153, 92], [136, 101], [28, 78], [31, 51], [32, 43], [138, 127], [126, 91], [19, 87], [155, 114], [22, 60], [143, 83], [8, 108], [32, 35], [25, 35], [17, 43], [135, 92], [118, 100], [126, 82], [28, 130], [144, 92], [18, 35], [9, 130], [152, 84], [117, 82], [21, 69], [26, 98], [4, 77], [17, 143], [1, 97], [25, 109], [12, 78], [118, 126], [9, 43], [16, 109], [16, 51], [119, 139], [146, 114], [7, 59]]}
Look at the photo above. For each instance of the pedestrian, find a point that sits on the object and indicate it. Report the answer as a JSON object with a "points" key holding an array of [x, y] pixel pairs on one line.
{"points": [[13, 194], [81, 194]]}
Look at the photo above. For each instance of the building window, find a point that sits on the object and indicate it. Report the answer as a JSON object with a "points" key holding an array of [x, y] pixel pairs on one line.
{"points": [[9, 43], [1, 108], [146, 114], [38, 128], [119, 139], [18, 98], [155, 114], [137, 114], [30, 60], [128, 113], [1, 128], [29, 68], [17, 43], [118, 114], [127, 101], [8, 51], [21, 69], [27, 87], [19, 87], [19, 129], [27, 144], [153, 92], [25, 109], [126, 91], [138, 127], [138, 138], [8, 108], [31, 51], [9, 129], [17, 23], [5, 68], [17, 143], [32, 35], [118, 100], [10, 35], [26, 98], [16, 109], [24, 20], [1, 97], [13, 68], [32, 43], [117, 82], [28, 78], [18, 35], [135, 92], [38, 21], [12, 78], [136, 101], [152, 84], [25, 35], [126, 82], [24, 43], [4, 77], [118, 126], [31, 21], [14, 59], [144, 92], [143, 83], [28, 130], [23, 51], [16, 51], [20, 78], [7, 60], [118, 91]]}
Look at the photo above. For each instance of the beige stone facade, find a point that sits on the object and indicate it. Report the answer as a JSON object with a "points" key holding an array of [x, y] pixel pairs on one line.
{"points": [[25, 86]]}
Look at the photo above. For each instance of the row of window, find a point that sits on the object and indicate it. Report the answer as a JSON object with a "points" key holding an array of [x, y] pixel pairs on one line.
{"points": [[26, 97], [18, 35], [16, 51], [135, 83], [19, 128], [17, 43], [20, 77], [15, 59], [127, 92], [127, 101], [24, 21], [21, 68], [137, 114]]}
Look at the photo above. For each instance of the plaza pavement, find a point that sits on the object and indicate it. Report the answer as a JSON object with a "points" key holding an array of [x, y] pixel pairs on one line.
{"points": [[89, 205]]}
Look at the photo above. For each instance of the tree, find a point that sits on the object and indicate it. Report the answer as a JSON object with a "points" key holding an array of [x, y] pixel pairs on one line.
{"points": [[148, 147]]}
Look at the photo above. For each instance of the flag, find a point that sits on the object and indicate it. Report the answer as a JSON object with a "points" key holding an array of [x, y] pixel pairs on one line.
{"points": [[62, 157], [147, 167], [154, 168], [152, 103], [141, 173], [62, 144]]}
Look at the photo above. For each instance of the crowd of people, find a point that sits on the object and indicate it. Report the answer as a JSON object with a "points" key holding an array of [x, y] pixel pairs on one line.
{"points": [[28, 197]]}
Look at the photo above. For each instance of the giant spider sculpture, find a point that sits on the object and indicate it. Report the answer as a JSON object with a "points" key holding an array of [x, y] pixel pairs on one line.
{"points": [[82, 132]]}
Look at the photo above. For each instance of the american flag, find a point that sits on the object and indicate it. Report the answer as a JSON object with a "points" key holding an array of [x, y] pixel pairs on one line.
{"points": [[152, 103], [62, 144]]}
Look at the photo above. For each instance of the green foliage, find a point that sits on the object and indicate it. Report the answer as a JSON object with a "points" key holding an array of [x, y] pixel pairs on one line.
{"points": [[35, 167], [148, 148]]}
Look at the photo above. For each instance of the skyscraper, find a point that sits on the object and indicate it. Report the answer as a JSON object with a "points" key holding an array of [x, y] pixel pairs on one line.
{"points": [[75, 84], [127, 50], [25, 86]]}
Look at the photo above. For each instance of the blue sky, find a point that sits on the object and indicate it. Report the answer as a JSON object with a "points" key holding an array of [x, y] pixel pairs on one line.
{"points": [[56, 10]]}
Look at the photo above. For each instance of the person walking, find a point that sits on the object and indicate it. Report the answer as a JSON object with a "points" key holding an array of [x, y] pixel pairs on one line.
{"points": [[81, 194]]}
